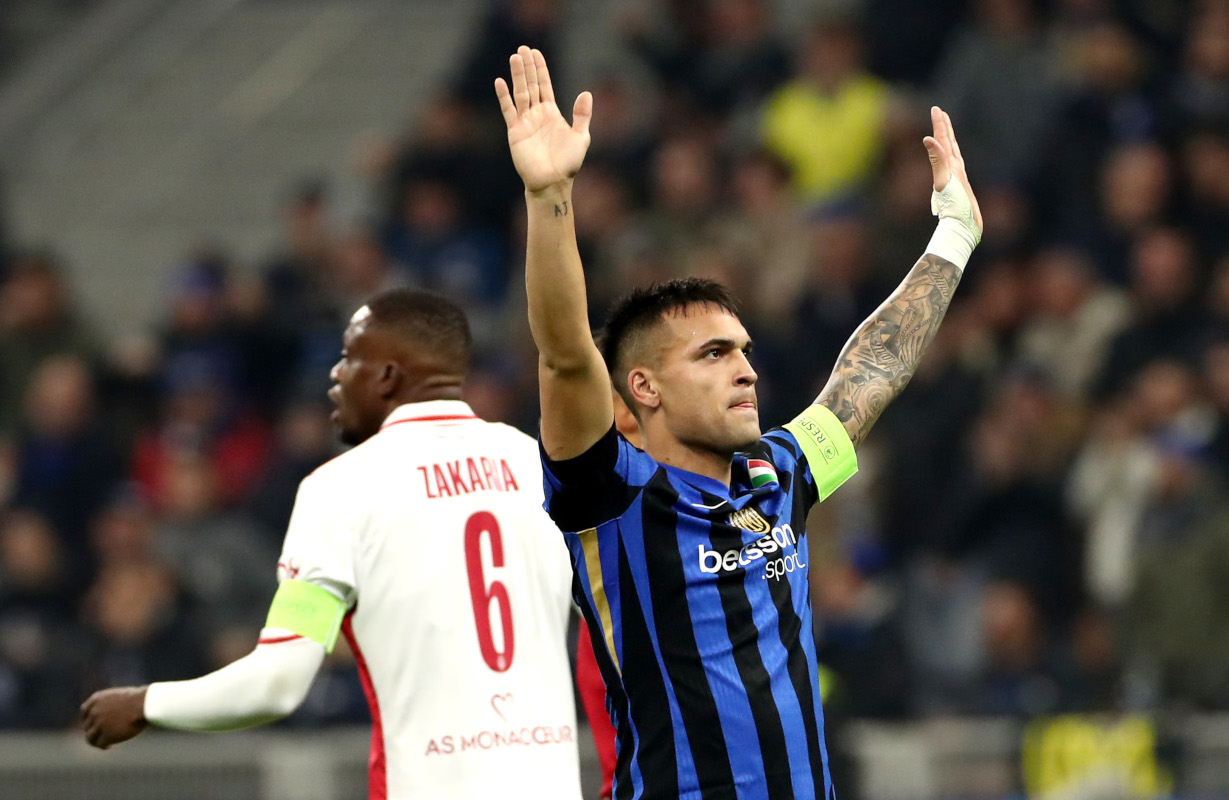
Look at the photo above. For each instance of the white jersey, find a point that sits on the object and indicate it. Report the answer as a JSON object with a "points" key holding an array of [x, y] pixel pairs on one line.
{"points": [[459, 588]]}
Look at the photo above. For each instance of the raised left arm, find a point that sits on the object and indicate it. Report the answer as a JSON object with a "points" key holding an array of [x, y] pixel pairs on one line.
{"points": [[882, 355]]}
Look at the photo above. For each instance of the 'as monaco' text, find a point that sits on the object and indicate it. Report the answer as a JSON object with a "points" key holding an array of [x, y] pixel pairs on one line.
{"points": [[452, 478], [494, 740]]}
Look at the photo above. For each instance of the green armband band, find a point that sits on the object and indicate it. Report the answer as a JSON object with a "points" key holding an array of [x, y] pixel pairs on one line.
{"points": [[306, 609], [826, 446]]}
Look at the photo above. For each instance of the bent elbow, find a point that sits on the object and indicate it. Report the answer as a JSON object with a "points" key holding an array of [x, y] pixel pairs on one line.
{"points": [[287, 695]]}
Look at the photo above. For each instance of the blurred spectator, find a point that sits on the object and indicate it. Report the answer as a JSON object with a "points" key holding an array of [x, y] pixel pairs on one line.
{"points": [[1107, 104], [199, 417], [303, 441], [225, 565], [41, 645], [1026, 673], [1200, 91], [1205, 167], [828, 123], [296, 276], [1073, 318], [37, 320], [506, 25], [906, 39], [362, 269], [624, 142], [446, 253], [1136, 185], [832, 302], [1169, 322], [726, 58], [998, 82], [857, 637], [139, 633], [686, 181], [1178, 621], [450, 145], [766, 229], [67, 462], [1117, 473]]}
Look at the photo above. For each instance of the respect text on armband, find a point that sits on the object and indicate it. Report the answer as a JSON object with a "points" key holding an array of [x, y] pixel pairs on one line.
{"points": [[818, 436]]}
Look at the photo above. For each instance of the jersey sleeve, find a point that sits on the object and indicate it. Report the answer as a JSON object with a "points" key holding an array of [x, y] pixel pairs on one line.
{"points": [[595, 486], [824, 454], [318, 548]]}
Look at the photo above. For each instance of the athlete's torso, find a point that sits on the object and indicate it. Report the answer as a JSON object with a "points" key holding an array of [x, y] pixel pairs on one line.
{"points": [[698, 600], [462, 593]]}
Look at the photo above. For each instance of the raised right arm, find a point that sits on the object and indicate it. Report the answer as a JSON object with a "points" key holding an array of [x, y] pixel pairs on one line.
{"points": [[577, 409]]}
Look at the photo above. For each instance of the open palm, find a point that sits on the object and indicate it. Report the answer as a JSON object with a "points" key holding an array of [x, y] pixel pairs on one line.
{"points": [[946, 162], [545, 148]]}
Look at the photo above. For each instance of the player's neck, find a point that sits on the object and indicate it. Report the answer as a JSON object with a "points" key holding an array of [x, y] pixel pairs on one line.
{"points": [[429, 390], [672, 452]]}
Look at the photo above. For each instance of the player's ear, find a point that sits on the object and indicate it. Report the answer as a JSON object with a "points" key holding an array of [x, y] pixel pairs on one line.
{"points": [[643, 386], [389, 380]]}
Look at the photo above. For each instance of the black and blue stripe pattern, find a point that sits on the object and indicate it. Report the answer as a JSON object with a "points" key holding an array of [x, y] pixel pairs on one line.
{"points": [[697, 600]]}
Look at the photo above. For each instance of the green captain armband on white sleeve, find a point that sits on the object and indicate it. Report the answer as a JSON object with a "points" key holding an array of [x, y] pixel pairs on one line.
{"points": [[306, 609], [826, 446]]}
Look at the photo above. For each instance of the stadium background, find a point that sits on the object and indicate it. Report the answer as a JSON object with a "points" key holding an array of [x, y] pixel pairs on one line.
{"points": [[1025, 590]]}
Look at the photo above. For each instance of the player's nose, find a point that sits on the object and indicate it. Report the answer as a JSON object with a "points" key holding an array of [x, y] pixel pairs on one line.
{"points": [[746, 375]]}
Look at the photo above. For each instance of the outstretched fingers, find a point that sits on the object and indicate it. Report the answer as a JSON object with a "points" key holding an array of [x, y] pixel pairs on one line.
{"points": [[506, 105], [545, 89], [520, 89], [940, 172], [951, 145], [531, 75]]}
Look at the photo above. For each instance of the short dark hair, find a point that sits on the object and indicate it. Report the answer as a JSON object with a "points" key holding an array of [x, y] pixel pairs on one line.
{"points": [[642, 308], [426, 320]]}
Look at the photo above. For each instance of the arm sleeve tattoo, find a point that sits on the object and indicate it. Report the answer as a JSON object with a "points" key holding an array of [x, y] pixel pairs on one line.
{"points": [[882, 355]]}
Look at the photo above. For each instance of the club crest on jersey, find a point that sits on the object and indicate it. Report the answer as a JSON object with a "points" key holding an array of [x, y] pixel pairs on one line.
{"points": [[749, 519], [761, 473]]}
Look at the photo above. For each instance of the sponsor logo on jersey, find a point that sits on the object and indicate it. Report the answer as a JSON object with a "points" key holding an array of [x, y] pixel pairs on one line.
{"points": [[775, 541]]}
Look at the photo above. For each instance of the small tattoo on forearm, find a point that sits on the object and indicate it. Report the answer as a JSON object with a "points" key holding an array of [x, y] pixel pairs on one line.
{"points": [[561, 210]]}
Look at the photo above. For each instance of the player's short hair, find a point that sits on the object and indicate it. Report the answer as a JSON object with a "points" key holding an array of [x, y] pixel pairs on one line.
{"points": [[426, 320], [637, 312]]}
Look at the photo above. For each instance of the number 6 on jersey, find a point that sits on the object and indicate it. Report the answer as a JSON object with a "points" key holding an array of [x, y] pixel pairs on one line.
{"points": [[483, 594]]}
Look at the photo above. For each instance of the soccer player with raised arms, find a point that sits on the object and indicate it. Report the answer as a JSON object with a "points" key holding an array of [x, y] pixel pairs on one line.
{"points": [[691, 555], [426, 545]]}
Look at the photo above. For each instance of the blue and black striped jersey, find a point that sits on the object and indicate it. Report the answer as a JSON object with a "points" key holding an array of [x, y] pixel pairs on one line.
{"points": [[697, 602]]}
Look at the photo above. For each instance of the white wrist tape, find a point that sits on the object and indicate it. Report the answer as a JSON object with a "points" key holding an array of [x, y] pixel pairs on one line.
{"points": [[957, 234]]}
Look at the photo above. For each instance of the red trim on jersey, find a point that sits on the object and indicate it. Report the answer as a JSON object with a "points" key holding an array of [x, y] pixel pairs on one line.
{"points": [[593, 696], [377, 776], [439, 418], [280, 639]]}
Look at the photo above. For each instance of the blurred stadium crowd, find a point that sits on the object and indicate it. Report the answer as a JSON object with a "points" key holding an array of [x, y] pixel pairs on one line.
{"points": [[1042, 520]]}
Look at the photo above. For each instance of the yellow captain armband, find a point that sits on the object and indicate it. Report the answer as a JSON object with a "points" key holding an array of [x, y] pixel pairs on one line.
{"points": [[827, 448], [306, 609]]}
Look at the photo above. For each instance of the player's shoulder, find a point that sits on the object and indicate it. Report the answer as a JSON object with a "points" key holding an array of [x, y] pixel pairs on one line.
{"points": [[339, 469], [778, 445]]}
